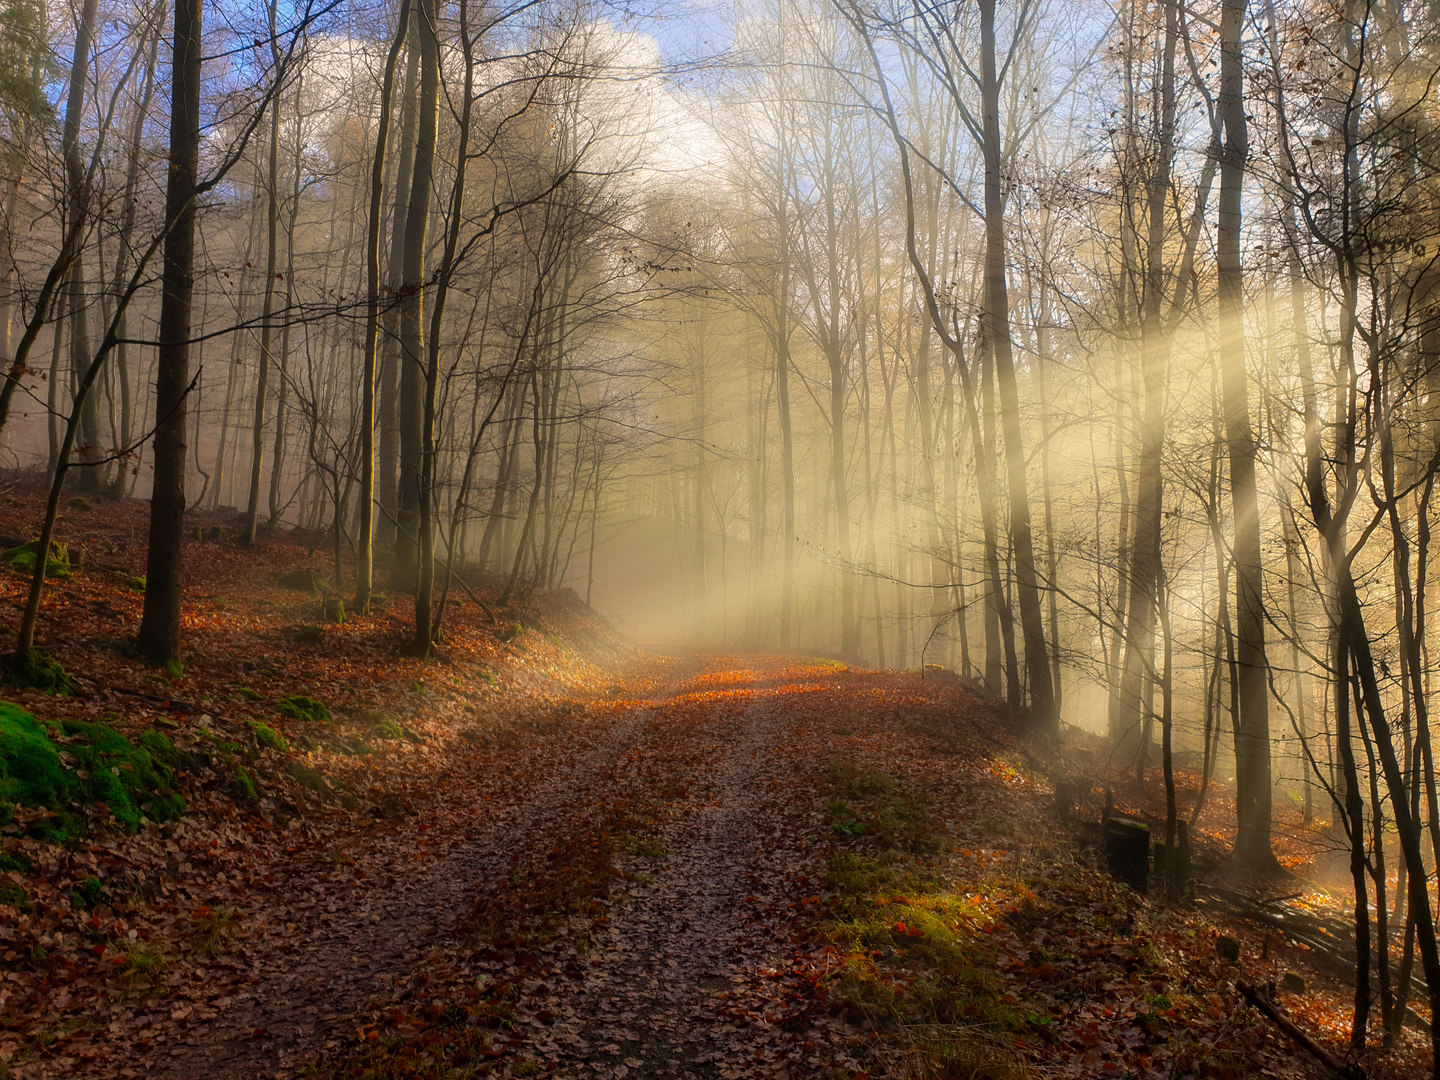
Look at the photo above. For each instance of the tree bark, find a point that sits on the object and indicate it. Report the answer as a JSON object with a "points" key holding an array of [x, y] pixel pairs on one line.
{"points": [[365, 550], [412, 333], [1252, 743], [159, 637], [267, 315], [1045, 715]]}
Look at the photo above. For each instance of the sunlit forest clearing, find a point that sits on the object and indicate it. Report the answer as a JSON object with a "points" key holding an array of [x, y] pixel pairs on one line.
{"points": [[783, 538]]}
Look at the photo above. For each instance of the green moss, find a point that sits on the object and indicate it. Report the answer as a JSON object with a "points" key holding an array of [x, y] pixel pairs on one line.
{"points": [[16, 861], [309, 778], [22, 559], [129, 779], [269, 739], [244, 693], [136, 584], [37, 671], [174, 668], [61, 828], [160, 747], [389, 729], [30, 768], [87, 894], [100, 766], [244, 784], [11, 895], [225, 746], [300, 707]]}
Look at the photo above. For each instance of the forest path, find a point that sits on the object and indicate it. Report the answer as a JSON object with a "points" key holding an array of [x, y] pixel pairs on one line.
{"points": [[714, 781]]}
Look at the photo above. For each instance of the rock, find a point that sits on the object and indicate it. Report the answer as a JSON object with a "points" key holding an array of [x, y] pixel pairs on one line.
{"points": [[1127, 851], [1293, 982], [1228, 948], [306, 634], [303, 581]]}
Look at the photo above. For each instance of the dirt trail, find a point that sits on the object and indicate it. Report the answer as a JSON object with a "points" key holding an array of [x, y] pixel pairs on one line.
{"points": [[659, 999], [655, 995]]}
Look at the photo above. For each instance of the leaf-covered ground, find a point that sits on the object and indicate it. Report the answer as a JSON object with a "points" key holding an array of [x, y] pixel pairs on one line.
{"points": [[548, 853]]}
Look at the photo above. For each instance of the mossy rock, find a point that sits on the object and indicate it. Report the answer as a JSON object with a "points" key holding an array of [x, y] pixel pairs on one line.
{"points": [[22, 559], [267, 738], [30, 769], [80, 502], [37, 671], [244, 784], [99, 765], [389, 729], [300, 707], [134, 584], [311, 779], [332, 610], [303, 581], [307, 634], [127, 778], [244, 693]]}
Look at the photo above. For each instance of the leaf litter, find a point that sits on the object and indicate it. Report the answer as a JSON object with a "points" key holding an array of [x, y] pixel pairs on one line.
{"points": [[550, 854]]}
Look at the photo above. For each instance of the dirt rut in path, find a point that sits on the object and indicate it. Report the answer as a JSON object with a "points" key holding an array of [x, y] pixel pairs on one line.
{"points": [[665, 991]]}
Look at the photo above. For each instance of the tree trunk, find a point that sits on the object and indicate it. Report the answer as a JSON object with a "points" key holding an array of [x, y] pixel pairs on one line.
{"points": [[77, 197], [364, 554], [997, 321], [159, 637], [267, 314], [412, 334], [1252, 744]]}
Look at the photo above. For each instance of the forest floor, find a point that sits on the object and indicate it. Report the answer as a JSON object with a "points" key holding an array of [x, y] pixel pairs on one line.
{"points": [[547, 852]]}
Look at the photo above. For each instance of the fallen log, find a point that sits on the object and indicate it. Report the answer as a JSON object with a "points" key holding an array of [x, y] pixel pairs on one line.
{"points": [[1271, 1012]]}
